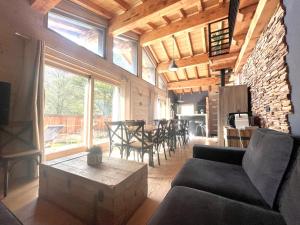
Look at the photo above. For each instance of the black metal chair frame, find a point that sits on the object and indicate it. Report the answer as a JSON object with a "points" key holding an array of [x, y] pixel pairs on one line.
{"points": [[116, 136], [135, 132]]}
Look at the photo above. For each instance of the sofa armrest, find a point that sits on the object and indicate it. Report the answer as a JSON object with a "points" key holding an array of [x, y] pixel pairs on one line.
{"points": [[220, 154]]}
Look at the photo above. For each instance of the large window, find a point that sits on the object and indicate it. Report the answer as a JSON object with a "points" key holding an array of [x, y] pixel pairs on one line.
{"points": [[83, 34], [106, 108], [125, 53], [65, 106], [148, 69]]}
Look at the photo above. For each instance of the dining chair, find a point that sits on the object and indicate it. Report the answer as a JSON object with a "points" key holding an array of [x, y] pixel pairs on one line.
{"points": [[159, 138], [116, 136], [171, 136], [137, 140]]}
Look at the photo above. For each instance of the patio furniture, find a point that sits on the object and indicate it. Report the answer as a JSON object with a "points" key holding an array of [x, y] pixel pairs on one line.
{"points": [[107, 194], [51, 133]]}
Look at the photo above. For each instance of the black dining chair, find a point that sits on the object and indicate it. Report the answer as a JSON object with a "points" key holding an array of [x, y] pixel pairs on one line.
{"points": [[137, 140], [159, 138], [116, 136]]}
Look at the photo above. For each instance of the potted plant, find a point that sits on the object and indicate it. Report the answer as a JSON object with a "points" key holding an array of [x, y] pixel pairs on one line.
{"points": [[94, 157]]}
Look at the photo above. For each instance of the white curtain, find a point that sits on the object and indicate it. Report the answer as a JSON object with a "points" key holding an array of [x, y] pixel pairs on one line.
{"points": [[38, 96]]}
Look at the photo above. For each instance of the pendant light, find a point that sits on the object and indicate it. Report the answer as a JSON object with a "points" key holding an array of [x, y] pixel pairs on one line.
{"points": [[173, 67]]}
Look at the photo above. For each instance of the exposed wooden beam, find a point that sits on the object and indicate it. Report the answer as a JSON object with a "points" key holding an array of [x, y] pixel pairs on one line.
{"points": [[163, 46], [152, 25], [225, 57], [195, 83], [184, 62], [145, 13], [248, 9], [124, 5], [264, 11], [190, 43], [182, 13], [44, 5], [166, 19], [177, 47], [187, 24], [94, 8], [225, 65], [185, 74], [201, 5]]}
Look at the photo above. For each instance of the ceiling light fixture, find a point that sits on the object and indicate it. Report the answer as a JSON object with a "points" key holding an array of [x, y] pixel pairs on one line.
{"points": [[173, 67]]}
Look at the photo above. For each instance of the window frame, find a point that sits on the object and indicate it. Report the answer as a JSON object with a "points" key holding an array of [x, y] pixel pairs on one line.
{"points": [[153, 64], [98, 26], [137, 53]]}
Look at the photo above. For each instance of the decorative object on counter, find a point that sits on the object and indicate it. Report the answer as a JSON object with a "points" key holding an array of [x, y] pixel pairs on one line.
{"points": [[94, 157]]}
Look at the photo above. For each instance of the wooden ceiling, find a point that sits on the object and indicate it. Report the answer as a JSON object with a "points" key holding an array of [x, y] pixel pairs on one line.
{"points": [[156, 21]]}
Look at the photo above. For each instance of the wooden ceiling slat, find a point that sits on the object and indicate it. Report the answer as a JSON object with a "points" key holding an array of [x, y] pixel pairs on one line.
{"points": [[166, 19], [94, 8], [186, 24], [177, 47], [124, 5], [144, 13], [184, 62], [163, 46], [44, 6], [190, 43]]}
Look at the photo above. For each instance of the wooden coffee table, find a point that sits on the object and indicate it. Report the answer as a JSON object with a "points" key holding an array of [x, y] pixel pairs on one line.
{"points": [[104, 195]]}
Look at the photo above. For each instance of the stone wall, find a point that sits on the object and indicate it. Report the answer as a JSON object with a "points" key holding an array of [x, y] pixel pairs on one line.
{"points": [[265, 72]]}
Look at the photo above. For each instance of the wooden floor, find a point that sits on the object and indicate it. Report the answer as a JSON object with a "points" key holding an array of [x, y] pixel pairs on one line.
{"points": [[24, 202]]}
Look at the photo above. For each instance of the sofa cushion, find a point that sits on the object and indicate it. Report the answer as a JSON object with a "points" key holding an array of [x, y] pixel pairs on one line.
{"points": [[224, 179], [187, 206], [289, 201], [266, 161]]}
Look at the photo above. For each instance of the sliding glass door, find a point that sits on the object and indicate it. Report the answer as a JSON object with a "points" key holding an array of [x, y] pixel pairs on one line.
{"points": [[106, 102], [65, 103], [67, 110]]}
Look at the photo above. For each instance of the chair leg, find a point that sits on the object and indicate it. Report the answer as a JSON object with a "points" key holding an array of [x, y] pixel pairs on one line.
{"points": [[158, 159]]}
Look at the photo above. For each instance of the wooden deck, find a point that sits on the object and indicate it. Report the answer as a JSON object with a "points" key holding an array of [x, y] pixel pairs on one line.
{"points": [[32, 211]]}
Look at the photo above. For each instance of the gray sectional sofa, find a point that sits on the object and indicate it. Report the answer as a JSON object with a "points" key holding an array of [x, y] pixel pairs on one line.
{"points": [[229, 186]]}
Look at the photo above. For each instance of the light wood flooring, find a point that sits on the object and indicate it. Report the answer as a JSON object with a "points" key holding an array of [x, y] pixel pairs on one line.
{"points": [[24, 202]]}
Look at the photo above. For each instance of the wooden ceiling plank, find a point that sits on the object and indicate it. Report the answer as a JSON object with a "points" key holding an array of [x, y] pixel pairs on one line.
{"points": [[166, 19], [195, 83], [144, 13], [182, 13], [124, 5], [196, 72], [44, 6], [177, 47], [94, 8], [190, 43], [184, 62], [264, 11], [151, 25], [163, 46], [185, 74], [201, 6], [185, 25], [153, 54], [176, 75]]}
